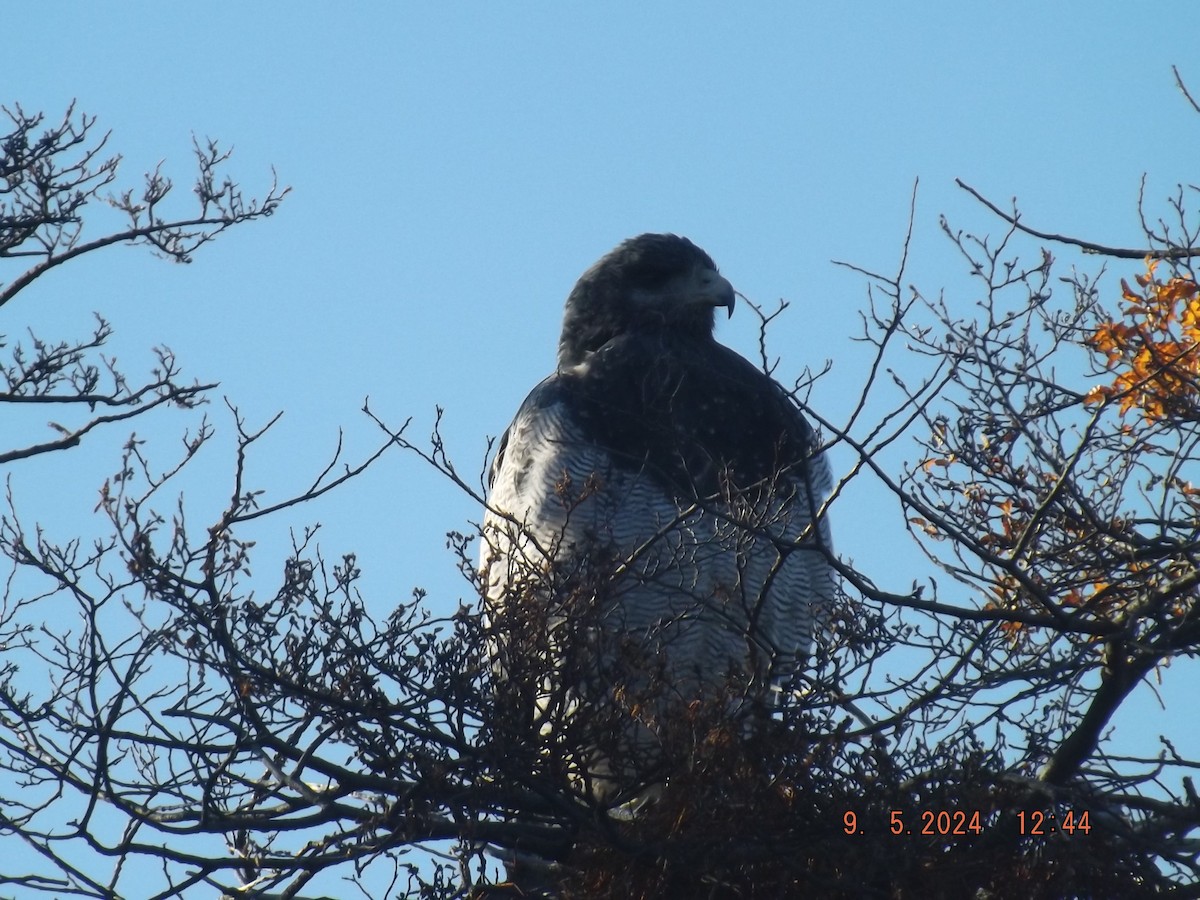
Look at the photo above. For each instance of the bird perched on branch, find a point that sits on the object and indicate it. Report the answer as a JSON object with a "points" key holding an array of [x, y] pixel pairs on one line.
{"points": [[655, 520]]}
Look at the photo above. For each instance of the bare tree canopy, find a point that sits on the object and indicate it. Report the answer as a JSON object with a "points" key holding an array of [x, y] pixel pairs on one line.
{"points": [[172, 717], [48, 175]]}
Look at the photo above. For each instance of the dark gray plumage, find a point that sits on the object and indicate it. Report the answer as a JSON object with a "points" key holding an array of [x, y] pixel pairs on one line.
{"points": [[665, 456]]}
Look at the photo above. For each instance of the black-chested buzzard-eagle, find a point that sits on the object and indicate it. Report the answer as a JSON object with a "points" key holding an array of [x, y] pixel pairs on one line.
{"points": [[673, 480]]}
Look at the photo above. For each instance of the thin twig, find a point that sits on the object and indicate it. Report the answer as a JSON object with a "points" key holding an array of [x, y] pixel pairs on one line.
{"points": [[1086, 246]]}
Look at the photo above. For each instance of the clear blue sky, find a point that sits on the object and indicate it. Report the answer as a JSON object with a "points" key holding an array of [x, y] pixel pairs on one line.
{"points": [[456, 166]]}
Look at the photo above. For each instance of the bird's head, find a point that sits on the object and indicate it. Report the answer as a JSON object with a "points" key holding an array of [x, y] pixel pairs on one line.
{"points": [[653, 283]]}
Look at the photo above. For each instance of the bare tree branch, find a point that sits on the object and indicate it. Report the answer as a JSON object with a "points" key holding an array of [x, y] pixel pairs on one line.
{"points": [[1086, 246], [42, 196]]}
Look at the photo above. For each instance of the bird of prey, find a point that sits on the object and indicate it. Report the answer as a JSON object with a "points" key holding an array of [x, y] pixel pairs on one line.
{"points": [[660, 492]]}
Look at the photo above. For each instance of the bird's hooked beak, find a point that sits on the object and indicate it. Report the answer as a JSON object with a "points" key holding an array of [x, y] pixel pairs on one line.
{"points": [[713, 289]]}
